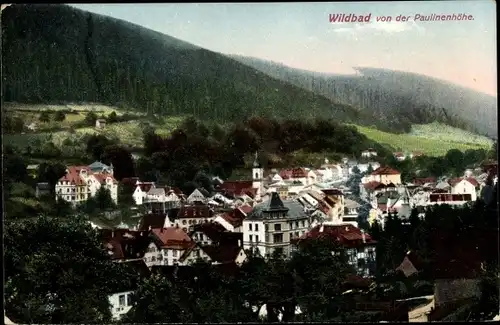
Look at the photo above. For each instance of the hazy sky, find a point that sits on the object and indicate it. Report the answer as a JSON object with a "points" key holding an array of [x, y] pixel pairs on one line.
{"points": [[300, 35]]}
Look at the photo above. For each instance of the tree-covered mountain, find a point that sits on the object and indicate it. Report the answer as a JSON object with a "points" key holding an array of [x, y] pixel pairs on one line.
{"points": [[59, 54], [400, 98]]}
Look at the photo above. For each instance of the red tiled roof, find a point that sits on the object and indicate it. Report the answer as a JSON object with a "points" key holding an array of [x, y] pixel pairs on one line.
{"points": [[293, 173], [124, 243], [455, 181], [347, 235], [172, 237], [233, 218], [101, 178], [245, 208], [195, 211], [385, 171], [299, 173], [372, 185], [422, 181], [236, 187]]}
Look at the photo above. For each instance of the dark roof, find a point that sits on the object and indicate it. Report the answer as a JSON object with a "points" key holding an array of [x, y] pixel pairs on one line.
{"points": [[213, 230], [124, 243], [293, 209], [275, 203], [222, 253], [347, 235], [385, 171], [332, 191], [43, 186], [235, 187], [152, 221]]}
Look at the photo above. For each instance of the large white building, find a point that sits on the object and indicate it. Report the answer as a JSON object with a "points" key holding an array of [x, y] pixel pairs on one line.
{"points": [[82, 182]]}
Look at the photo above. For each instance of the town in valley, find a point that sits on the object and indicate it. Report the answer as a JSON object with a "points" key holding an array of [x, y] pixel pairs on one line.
{"points": [[165, 183]]}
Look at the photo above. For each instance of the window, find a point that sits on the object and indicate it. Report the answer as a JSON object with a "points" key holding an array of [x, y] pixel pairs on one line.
{"points": [[250, 226], [183, 222], [296, 224], [121, 300], [303, 223], [72, 198], [279, 250], [256, 227], [129, 299], [175, 253], [278, 238], [250, 238], [267, 227], [153, 259], [277, 227], [256, 238]]}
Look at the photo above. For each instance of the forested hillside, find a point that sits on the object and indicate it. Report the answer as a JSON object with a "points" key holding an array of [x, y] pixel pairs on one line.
{"points": [[400, 98], [59, 54]]}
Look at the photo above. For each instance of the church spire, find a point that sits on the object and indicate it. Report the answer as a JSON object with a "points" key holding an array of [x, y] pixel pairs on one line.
{"points": [[256, 160]]}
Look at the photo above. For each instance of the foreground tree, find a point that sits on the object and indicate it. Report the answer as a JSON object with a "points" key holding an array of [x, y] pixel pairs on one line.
{"points": [[58, 274]]}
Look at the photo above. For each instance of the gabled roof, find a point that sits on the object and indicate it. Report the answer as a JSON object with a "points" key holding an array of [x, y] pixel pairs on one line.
{"points": [[275, 203], [345, 234], [235, 187], [73, 175], [146, 186], [195, 195], [172, 237], [213, 230], [373, 185], [455, 181], [233, 218], [97, 165], [385, 171], [222, 254], [245, 208], [156, 191], [332, 191], [423, 181], [124, 243], [152, 221], [102, 178]]}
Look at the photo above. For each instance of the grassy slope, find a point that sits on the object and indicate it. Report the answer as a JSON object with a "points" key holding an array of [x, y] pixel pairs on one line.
{"points": [[59, 54], [433, 139]]}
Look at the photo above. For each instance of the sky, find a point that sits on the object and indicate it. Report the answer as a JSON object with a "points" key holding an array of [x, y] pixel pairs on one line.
{"points": [[301, 35]]}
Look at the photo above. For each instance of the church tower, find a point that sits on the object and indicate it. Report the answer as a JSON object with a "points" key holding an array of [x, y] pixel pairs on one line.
{"points": [[257, 176]]}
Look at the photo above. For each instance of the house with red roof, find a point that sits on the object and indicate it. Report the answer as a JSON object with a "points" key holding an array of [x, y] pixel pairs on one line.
{"points": [[385, 175], [168, 246], [400, 156], [465, 185], [80, 183], [359, 246], [233, 220]]}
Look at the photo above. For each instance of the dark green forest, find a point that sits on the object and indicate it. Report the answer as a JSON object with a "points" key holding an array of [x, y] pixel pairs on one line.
{"points": [[80, 57], [399, 98]]}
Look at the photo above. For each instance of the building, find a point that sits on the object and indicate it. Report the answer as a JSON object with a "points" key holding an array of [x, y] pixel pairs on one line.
{"points": [[384, 175], [100, 123], [121, 303], [272, 224], [369, 153], [99, 167], [257, 178], [351, 212], [168, 247], [141, 191], [42, 189], [359, 246]]}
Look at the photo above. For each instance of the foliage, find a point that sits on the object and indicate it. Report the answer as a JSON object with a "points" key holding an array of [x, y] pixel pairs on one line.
{"points": [[59, 116], [96, 145], [44, 117], [99, 203], [58, 274], [121, 159], [111, 69]]}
